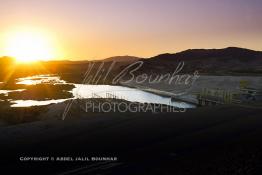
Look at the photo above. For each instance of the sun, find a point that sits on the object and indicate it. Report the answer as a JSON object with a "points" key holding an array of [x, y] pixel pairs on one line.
{"points": [[29, 46]]}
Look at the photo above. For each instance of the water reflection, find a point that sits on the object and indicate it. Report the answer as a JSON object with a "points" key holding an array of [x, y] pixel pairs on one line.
{"points": [[5, 92], [40, 79], [120, 92], [94, 91], [29, 103]]}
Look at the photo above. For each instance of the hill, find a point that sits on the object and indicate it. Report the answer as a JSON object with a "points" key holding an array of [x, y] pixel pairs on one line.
{"points": [[229, 60], [122, 59]]}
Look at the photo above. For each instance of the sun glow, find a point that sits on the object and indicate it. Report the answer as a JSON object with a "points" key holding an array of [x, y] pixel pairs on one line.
{"points": [[29, 46]]}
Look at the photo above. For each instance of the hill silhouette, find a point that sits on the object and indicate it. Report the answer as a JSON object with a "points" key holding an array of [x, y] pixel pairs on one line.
{"points": [[214, 61], [122, 59], [227, 61], [229, 53]]}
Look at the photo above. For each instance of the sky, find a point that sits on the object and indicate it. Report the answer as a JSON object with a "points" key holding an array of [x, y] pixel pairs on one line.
{"points": [[96, 29]]}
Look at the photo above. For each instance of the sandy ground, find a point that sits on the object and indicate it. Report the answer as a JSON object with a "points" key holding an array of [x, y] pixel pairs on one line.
{"points": [[216, 140]]}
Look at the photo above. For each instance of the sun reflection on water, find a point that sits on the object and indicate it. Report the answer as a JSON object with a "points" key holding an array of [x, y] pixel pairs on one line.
{"points": [[40, 79]]}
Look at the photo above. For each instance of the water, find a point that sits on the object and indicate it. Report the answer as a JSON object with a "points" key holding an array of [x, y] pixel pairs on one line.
{"points": [[40, 79], [5, 92], [120, 92], [94, 91], [29, 103]]}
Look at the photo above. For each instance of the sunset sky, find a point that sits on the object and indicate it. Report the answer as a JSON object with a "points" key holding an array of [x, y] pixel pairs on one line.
{"points": [[96, 29]]}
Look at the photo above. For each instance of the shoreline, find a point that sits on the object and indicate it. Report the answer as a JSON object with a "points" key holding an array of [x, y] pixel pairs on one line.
{"points": [[164, 94]]}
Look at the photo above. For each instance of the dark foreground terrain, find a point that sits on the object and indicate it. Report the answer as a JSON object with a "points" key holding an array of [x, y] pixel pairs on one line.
{"points": [[208, 140]]}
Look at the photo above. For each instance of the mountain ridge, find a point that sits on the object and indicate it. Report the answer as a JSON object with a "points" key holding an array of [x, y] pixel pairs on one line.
{"points": [[204, 53], [226, 61]]}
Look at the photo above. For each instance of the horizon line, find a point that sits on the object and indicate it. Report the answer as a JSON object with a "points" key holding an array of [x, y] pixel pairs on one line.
{"points": [[127, 55]]}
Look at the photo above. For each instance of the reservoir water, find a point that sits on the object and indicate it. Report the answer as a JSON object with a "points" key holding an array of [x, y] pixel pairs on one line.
{"points": [[82, 91]]}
